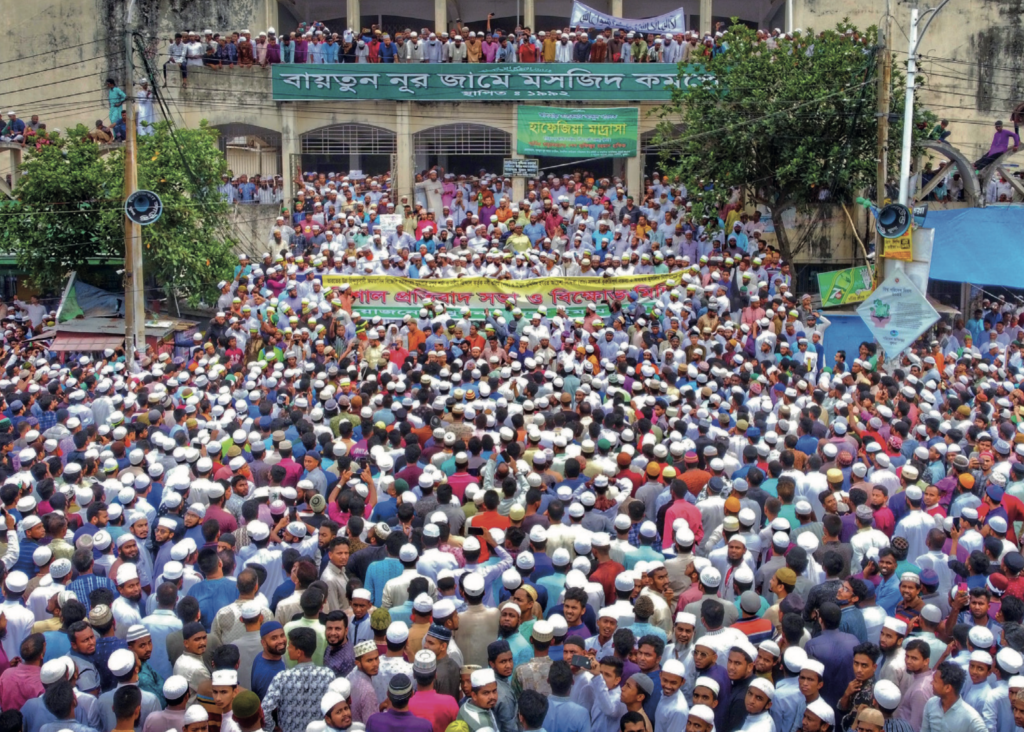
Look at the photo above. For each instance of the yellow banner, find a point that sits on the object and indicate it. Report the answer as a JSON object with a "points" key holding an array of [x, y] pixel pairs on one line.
{"points": [[396, 296], [900, 248]]}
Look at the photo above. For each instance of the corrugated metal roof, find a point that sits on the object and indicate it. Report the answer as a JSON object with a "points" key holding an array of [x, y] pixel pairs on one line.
{"points": [[84, 342]]}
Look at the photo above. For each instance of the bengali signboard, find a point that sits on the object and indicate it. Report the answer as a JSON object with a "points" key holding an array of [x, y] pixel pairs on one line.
{"points": [[393, 297], [520, 167], [481, 82], [844, 286], [594, 133], [897, 313], [584, 16]]}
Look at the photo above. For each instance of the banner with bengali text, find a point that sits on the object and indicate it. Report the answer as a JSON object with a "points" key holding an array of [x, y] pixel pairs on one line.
{"points": [[393, 297], [561, 132], [584, 16], [482, 82]]}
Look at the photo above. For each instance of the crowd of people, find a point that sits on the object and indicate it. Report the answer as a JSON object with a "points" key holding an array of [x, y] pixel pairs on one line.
{"points": [[675, 512], [315, 43]]}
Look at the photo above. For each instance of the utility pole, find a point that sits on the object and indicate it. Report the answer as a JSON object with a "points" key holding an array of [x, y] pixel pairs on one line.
{"points": [[883, 64], [134, 297]]}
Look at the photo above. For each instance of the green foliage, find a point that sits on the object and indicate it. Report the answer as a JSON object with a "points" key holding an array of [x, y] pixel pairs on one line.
{"points": [[69, 209], [781, 123]]}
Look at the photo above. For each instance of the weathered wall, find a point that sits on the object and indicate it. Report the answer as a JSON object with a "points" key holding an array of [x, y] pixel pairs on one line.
{"points": [[972, 58]]}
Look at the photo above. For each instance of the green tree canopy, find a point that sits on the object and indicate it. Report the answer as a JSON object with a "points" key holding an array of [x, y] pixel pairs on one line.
{"points": [[781, 123], [69, 209]]}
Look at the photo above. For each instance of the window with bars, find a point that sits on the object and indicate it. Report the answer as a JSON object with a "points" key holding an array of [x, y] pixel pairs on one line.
{"points": [[349, 139], [649, 140], [462, 139]]}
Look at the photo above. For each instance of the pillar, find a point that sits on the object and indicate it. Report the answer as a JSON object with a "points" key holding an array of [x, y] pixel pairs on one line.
{"points": [[291, 149], [403, 145], [705, 16], [615, 8], [353, 15], [635, 178], [270, 14], [440, 16], [530, 14], [518, 182]]}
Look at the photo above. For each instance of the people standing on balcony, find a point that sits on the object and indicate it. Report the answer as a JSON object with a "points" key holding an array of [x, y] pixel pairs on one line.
{"points": [[177, 54], [581, 49], [288, 49], [246, 54], [456, 51], [563, 51], [490, 48], [414, 49], [301, 48], [599, 51], [273, 48]]}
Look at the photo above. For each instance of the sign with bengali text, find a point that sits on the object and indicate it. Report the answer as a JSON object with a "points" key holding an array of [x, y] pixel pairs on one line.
{"points": [[575, 133], [482, 82], [393, 297]]}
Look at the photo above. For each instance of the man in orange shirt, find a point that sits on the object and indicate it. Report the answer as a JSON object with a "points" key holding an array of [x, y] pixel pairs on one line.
{"points": [[486, 520]]}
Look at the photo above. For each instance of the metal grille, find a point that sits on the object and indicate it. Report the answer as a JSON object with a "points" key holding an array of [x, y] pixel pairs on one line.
{"points": [[462, 139], [349, 139]]}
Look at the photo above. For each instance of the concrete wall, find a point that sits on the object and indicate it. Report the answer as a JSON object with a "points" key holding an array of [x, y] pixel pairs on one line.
{"points": [[972, 58]]}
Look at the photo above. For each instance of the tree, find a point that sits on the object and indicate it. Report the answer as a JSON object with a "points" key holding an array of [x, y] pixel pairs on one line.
{"points": [[69, 209], [781, 123]]}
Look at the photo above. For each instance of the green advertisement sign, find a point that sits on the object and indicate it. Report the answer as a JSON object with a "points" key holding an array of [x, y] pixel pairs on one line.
{"points": [[481, 82], [560, 132], [845, 286]]}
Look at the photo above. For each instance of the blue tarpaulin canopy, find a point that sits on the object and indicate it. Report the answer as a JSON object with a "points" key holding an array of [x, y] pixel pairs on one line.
{"points": [[980, 246]]}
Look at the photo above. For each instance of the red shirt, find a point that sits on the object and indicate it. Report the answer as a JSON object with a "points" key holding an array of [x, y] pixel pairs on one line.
{"points": [[605, 575], [18, 685], [684, 510], [885, 521], [489, 520], [438, 709]]}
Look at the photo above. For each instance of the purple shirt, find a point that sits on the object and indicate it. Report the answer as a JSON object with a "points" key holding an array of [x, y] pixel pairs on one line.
{"points": [[1001, 141], [395, 721]]}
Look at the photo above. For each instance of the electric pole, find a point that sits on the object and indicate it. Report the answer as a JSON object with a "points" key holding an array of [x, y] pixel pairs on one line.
{"points": [[134, 297], [883, 66]]}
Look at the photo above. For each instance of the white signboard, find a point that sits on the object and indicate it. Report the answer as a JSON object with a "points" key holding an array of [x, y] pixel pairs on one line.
{"points": [[897, 312], [389, 224], [584, 16]]}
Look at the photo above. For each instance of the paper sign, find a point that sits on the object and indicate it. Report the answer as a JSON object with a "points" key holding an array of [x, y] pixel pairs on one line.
{"points": [[900, 248], [896, 313]]}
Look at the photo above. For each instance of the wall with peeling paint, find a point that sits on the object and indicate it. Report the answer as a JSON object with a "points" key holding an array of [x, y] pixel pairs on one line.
{"points": [[972, 58]]}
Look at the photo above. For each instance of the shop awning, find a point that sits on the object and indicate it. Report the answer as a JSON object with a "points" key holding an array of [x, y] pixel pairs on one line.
{"points": [[85, 342], [979, 246]]}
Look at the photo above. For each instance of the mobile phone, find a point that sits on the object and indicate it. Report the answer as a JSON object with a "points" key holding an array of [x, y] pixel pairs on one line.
{"points": [[961, 588], [956, 523], [476, 530], [581, 661]]}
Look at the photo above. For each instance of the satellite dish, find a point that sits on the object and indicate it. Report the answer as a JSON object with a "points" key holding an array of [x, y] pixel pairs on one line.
{"points": [[893, 221], [143, 207]]}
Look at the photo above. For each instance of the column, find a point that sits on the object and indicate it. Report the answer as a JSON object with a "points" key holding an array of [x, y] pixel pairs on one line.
{"points": [[530, 14], [269, 14], [615, 8], [635, 178], [353, 15], [705, 16], [518, 182], [403, 145], [440, 16], [291, 149]]}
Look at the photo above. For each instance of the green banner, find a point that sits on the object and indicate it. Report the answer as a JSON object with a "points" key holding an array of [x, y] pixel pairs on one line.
{"points": [[845, 286], [481, 82], [574, 133]]}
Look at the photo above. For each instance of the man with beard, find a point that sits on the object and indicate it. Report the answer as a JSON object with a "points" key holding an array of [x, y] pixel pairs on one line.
{"points": [[126, 608], [140, 642], [508, 630], [335, 707], [128, 553], [338, 654], [478, 712], [705, 663], [249, 643], [269, 663], [162, 536], [740, 668], [890, 641]]}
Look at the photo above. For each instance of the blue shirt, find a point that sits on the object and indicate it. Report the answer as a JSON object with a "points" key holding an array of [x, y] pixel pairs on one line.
{"points": [[263, 672], [522, 651], [565, 715], [789, 704], [378, 574], [212, 596], [834, 649]]}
